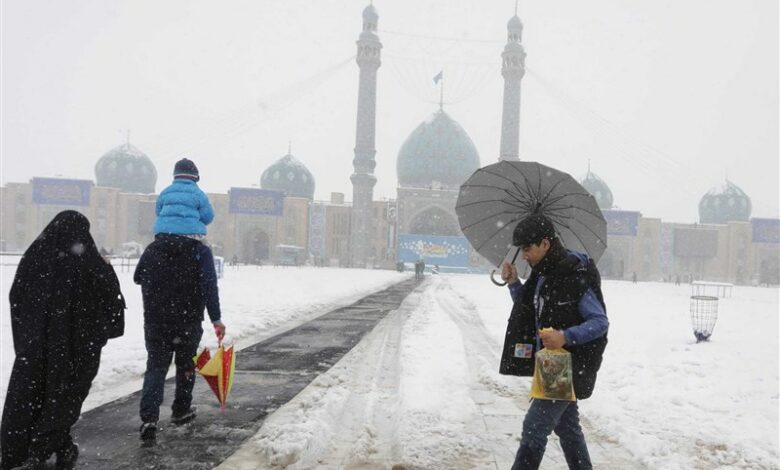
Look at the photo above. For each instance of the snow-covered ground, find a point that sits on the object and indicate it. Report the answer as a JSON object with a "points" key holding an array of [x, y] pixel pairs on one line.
{"points": [[422, 389], [257, 302]]}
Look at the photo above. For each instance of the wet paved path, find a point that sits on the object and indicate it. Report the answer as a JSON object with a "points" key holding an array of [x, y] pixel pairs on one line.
{"points": [[268, 374]]}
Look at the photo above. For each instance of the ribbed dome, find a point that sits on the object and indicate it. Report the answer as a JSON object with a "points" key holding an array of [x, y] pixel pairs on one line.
{"points": [[438, 152], [723, 204], [127, 168], [288, 174], [599, 190]]}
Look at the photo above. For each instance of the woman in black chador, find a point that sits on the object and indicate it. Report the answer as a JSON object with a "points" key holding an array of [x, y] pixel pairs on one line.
{"points": [[65, 304]]}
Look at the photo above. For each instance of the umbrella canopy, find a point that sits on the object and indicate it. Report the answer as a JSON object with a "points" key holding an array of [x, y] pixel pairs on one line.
{"points": [[218, 371], [498, 196]]}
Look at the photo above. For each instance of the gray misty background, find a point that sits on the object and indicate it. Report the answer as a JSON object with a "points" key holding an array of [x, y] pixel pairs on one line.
{"points": [[666, 98]]}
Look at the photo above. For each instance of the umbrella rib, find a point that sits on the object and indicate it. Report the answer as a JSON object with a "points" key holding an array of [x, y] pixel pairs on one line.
{"points": [[575, 235], [555, 186], [523, 194], [553, 200], [480, 202], [495, 233], [527, 182], [588, 228], [539, 180], [463, 229]]}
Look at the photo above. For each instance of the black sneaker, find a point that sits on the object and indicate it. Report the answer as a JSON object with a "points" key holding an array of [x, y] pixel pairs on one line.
{"points": [[149, 432], [66, 458], [184, 417]]}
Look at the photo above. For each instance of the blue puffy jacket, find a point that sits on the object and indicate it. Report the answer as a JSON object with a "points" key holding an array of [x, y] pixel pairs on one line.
{"points": [[183, 209]]}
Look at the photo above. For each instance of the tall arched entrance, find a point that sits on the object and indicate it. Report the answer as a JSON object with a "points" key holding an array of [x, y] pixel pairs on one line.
{"points": [[434, 221], [257, 247]]}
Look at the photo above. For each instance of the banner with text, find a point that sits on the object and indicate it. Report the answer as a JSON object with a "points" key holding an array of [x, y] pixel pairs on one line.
{"points": [[256, 201], [766, 230], [317, 219], [621, 222], [433, 249], [61, 192]]}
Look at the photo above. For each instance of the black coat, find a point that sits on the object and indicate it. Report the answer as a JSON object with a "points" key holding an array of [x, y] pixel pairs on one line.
{"points": [[178, 281], [65, 304], [566, 281]]}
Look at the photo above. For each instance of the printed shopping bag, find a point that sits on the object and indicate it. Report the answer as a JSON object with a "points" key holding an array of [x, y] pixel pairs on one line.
{"points": [[553, 375]]}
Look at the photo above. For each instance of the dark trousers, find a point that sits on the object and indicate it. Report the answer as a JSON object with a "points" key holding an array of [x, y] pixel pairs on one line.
{"points": [[43, 402], [544, 417], [163, 342]]}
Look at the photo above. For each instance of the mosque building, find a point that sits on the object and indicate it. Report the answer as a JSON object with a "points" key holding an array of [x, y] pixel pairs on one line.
{"points": [[279, 221]]}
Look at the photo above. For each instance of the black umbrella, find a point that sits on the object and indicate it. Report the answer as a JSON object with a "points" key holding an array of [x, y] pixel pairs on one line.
{"points": [[496, 197]]}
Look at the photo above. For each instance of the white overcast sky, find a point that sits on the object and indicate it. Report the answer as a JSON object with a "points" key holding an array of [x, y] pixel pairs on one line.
{"points": [[666, 98]]}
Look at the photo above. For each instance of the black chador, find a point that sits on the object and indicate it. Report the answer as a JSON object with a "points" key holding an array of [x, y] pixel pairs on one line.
{"points": [[65, 304]]}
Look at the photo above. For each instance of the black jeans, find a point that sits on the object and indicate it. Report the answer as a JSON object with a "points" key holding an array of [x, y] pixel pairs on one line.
{"points": [[162, 343]]}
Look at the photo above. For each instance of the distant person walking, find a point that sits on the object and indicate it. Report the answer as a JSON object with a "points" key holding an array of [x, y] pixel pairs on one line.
{"points": [[178, 282], [563, 294], [182, 208], [65, 304]]}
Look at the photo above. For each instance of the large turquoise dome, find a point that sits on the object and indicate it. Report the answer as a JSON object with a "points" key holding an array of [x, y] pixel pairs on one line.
{"points": [[724, 204], [599, 190], [288, 174], [437, 153], [127, 168]]}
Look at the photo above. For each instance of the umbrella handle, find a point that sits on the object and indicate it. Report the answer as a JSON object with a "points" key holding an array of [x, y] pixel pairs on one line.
{"points": [[493, 280]]}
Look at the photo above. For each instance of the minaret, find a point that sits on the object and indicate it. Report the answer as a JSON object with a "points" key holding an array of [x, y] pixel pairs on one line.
{"points": [[363, 179], [513, 69]]}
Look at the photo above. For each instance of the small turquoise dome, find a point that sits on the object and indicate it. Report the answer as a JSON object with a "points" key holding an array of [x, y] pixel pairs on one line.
{"points": [[288, 174], [599, 190], [127, 168], [723, 204], [437, 153]]}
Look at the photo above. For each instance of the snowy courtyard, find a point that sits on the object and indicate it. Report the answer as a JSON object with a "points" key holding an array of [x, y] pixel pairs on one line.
{"points": [[422, 389]]}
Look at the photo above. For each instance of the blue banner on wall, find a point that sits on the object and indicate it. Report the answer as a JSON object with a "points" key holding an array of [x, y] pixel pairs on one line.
{"points": [[444, 251], [317, 222], [766, 230], [256, 201], [61, 192], [621, 222]]}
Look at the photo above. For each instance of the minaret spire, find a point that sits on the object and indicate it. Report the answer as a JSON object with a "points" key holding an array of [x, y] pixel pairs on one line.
{"points": [[441, 95], [439, 80], [363, 179], [513, 69]]}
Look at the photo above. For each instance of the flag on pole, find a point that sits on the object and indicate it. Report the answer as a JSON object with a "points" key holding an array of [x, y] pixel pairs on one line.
{"points": [[438, 77]]}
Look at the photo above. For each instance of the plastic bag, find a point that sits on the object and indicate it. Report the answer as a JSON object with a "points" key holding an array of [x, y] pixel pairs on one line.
{"points": [[553, 375]]}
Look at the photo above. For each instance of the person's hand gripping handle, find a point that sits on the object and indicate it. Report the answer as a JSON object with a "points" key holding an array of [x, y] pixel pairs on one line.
{"points": [[219, 330]]}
